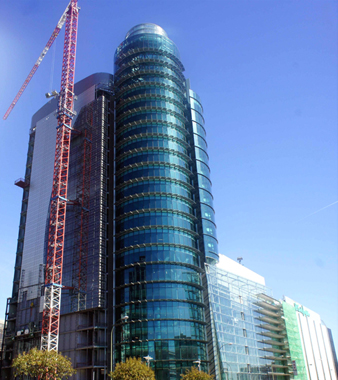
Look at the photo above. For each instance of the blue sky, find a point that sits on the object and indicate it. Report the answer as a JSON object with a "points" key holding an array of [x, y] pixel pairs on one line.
{"points": [[267, 75]]}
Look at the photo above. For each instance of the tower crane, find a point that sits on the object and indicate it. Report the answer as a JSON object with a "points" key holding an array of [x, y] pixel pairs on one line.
{"points": [[58, 201]]}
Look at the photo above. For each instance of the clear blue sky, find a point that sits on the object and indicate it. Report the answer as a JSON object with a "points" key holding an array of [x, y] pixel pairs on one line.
{"points": [[267, 75]]}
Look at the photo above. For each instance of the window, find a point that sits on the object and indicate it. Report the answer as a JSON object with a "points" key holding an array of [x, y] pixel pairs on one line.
{"points": [[247, 350], [244, 333], [242, 316]]}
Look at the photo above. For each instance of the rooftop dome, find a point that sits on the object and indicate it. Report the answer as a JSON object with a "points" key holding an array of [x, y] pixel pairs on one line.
{"points": [[146, 28]]}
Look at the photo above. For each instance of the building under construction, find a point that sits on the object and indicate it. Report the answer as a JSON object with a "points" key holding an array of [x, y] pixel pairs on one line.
{"points": [[83, 323]]}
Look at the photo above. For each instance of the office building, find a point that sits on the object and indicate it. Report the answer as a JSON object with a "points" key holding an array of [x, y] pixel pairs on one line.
{"points": [[83, 323], [164, 220], [311, 344], [251, 335]]}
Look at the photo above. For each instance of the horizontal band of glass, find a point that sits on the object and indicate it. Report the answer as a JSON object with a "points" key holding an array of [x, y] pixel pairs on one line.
{"points": [[147, 75], [165, 309], [154, 235], [147, 40], [159, 201], [169, 351], [209, 228], [201, 155], [202, 168], [154, 170], [155, 126], [148, 57], [135, 52], [204, 182], [211, 258], [197, 106], [199, 129], [207, 212], [159, 291], [157, 272], [171, 329], [151, 78], [159, 218], [154, 185], [210, 244], [206, 197], [147, 89], [200, 142], [195, 96], [157, 253], [164, 103], [151, 115], [150, 155], [147, 67], [152, 142], [197, 117]]}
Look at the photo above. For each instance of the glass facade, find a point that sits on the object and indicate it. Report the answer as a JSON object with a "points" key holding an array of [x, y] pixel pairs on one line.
{"points": [[239, 347], [162, 187]]}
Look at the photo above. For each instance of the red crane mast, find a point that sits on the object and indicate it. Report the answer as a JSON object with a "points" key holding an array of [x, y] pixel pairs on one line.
{"points": [[58, 202]]}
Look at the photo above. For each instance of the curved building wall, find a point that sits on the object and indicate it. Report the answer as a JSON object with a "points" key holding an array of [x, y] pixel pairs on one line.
{"points": [[205, 198], [157, 239]]}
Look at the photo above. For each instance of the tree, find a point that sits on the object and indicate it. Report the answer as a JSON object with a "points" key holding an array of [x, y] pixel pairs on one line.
{"points": [[132, 369], [43, 365], [194, 374]]}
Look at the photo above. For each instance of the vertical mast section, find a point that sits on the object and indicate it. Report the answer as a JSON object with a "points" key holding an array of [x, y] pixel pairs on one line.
{"points": [[58, 202]]}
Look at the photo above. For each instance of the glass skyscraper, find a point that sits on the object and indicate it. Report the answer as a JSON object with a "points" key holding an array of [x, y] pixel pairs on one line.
{"points": [[164, 220]]}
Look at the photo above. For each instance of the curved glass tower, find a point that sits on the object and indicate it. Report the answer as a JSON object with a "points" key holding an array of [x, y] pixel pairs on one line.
{"points": [[164, 221]]}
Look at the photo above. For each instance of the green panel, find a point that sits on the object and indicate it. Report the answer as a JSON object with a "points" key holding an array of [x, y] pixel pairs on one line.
{"points": [[295, 344]]}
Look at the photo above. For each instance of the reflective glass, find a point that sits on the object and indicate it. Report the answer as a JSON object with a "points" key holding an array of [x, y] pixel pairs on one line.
{"points": [[155, 201], [154, 185], [158, 252]]}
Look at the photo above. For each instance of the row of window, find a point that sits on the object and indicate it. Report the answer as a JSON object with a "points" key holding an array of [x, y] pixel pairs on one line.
{"points": [[153, 171], [199, 129], [145, 67], [153, 156], [161, 114], [153, 90], [165, 309], [209, 227], [202, 168], [210, 245], [145, 79], [158, 235], [157, 185], [161, 103], [158, 218], [157, 253], [165, 350], [201, 155], [200, 142], [197, 117], [196, 105], [144, 41], [160, 330], [207, 212], [206, 197], [165, 129], [155, 201], [157, 272], [144, 55], [159, 291], [152, 142]]}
